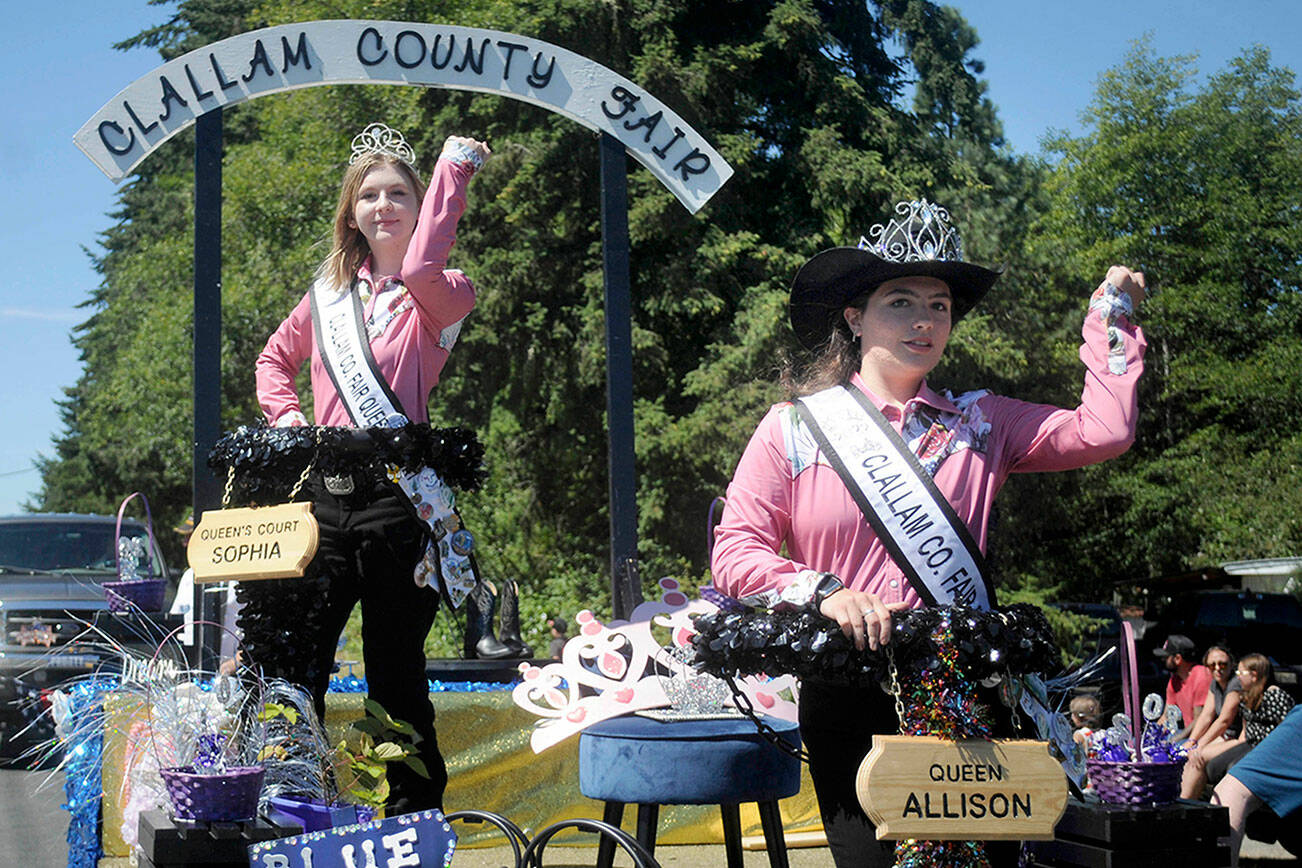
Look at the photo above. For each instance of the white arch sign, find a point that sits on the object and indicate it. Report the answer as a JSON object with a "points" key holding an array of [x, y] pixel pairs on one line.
{"points": [[160, 104]]}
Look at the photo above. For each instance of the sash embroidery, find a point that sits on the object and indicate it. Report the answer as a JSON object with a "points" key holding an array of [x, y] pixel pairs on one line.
{"points": [[920, 529], [346, 355]]}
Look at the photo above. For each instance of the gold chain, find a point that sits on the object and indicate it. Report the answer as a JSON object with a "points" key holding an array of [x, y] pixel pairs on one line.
{"points": [[302, 477], [895, 686]]}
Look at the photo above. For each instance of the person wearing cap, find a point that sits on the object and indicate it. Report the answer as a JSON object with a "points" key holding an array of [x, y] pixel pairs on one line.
{"points": [[1189, 682], [877, 318]]}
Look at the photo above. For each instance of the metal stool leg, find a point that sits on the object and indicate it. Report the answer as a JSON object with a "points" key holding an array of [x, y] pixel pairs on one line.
{"points": [[648, 817], [774, 839], [613, 815], [732, 833]]}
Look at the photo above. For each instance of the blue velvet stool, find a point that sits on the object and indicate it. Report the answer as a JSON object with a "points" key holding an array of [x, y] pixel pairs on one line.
{"points": [[647, 762]]}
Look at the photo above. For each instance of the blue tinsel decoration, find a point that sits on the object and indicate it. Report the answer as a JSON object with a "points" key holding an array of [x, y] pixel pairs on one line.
{"points": [[81, 784], [352, 684]]}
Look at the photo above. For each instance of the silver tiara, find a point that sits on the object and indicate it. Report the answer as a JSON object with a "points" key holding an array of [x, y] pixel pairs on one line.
{"points": [[380, 139], [922, 233]]}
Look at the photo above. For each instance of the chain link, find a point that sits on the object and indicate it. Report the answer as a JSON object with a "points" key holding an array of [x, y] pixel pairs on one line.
{"points": [[302, 477], [743, 703], [230, 483], [895, 686]]}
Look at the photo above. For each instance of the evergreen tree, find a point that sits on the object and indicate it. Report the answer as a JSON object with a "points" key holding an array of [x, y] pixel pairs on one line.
{"points": [[1199, 187]]}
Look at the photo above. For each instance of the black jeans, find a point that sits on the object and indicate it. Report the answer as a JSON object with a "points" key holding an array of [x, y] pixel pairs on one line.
{"points": [[837, 724], [370, 544]]}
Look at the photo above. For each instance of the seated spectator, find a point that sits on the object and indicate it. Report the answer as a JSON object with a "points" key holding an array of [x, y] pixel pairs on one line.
{"points": [[1085, 716], [1187, 687], [1220, 715], [1271, 775], [1263, 707]]}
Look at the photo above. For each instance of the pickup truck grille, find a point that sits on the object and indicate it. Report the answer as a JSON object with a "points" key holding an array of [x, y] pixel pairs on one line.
{"points": [[35, 631]]}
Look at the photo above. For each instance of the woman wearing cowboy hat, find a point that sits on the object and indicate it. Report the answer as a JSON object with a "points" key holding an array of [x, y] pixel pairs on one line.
{"points": [[820, 514]]}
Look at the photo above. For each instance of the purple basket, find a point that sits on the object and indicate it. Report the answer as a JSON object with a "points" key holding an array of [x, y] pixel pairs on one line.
{"points": [[1135, 783], [225, 797], [144, 594]]}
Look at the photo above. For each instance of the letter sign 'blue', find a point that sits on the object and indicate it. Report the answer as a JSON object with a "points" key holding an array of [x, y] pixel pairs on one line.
{"points": [[405, 841]]}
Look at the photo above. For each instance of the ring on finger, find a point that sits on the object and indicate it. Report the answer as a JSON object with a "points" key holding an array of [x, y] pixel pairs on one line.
{"points": [[869, 613]]}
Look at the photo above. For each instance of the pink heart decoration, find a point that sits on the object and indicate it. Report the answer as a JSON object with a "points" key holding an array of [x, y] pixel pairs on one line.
{"points": [[613, 664], [766, 699], [625, 696], [576, 715]]}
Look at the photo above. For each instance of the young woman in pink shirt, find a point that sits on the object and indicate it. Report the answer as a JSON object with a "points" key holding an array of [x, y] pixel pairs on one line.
{"points": [[878, 317], [391, 241]]}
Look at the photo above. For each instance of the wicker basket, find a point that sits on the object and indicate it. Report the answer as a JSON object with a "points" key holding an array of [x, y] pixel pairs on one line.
{"points": [[226, 797], [145, 594], [1135, 783]]}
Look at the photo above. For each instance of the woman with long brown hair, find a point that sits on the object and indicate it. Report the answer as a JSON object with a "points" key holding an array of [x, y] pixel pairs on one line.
{"points": [[377, 326], [1262, 707]]}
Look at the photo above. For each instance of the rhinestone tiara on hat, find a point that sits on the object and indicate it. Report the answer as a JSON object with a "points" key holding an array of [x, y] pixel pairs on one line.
{"points": [[922, 233], [381, 139]]}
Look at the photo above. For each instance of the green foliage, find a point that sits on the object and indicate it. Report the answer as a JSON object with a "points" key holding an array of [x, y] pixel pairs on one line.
{"points": [[360, 761], [1199, 186]]}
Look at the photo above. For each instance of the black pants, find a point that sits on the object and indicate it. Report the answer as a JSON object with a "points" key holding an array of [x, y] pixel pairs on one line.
{"points": [[369, 546], [837, 725]]}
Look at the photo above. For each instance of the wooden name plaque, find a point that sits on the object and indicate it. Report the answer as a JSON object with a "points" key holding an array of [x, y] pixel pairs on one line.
{"points": [[264, 542], [928, 788]]}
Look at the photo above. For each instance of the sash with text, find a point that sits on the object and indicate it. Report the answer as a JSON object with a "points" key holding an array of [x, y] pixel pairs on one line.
{"points": [[906, 510], [338, 320]]}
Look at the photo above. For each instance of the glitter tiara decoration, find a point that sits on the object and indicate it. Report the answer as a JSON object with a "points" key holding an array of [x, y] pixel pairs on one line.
{"points": [[609, 670], [922, 233], [380, 139]]}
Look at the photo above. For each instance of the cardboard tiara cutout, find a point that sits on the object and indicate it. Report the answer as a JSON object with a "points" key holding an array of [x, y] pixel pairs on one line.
{"points": [[619, 668]]}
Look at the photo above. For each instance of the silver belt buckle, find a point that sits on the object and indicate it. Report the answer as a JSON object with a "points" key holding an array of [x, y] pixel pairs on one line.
{"points": [[338, 485]]}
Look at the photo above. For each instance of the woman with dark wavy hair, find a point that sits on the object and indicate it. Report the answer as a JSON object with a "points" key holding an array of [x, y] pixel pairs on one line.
{"points": [[871, 493]]}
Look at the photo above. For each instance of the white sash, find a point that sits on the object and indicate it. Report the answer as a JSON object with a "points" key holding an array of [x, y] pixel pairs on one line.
{"points": [[346, 355], [911, 517]]}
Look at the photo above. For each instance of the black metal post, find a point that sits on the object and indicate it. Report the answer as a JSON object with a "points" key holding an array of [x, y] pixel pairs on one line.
{"points": [[207, 345], [625, 590]]}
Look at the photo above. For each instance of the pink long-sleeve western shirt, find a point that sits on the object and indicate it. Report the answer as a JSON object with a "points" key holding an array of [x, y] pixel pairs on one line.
{"points": [[418, 315], [784, 493]]}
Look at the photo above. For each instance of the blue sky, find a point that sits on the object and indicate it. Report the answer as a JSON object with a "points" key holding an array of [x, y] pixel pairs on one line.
{"points": [[1042, 59]]}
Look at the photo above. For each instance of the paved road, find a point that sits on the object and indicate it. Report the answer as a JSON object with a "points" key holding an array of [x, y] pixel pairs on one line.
{"points": [[33, 828]]}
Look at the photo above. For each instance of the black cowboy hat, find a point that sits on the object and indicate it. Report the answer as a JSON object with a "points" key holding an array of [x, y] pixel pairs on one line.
{"points": [[924, 246]]}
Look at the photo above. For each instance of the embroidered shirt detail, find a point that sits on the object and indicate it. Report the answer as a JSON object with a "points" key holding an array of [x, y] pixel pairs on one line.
{"points": [[932, 434]]}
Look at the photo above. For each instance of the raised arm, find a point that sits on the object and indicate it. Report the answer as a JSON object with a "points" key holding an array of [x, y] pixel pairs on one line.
{"points": [[442, 297], [1044, 438]]}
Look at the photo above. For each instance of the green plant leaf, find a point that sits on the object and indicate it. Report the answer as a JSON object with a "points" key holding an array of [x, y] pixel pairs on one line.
{"points": [[388, 751], [417, 765]]}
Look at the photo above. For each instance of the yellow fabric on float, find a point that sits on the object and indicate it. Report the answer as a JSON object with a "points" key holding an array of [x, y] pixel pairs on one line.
{"points": [[484, 738]]}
